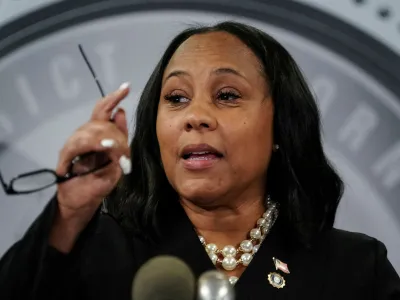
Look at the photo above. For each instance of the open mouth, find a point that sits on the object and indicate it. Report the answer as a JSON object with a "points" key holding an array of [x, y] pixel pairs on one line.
{"points": [[200, 152], [201, 155]]}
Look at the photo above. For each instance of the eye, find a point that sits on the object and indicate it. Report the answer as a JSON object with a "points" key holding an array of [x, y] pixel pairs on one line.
{"points": [[176, 98], [228, 95]]}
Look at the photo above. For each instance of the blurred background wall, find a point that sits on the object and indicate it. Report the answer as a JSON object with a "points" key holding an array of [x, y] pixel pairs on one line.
{"points": [[348, 49]]}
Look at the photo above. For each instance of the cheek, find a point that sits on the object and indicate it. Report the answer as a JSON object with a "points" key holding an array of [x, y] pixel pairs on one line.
{"points": [[251, 143], [167, 139]]}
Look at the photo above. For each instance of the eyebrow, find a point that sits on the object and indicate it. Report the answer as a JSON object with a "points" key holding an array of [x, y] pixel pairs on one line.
{"points": [[219, 71]]}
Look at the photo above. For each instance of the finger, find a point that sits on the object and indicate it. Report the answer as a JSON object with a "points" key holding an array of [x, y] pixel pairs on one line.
{"points": [[120, 121], [120, 154], [114, 150], [104, 108], [113, 142]]}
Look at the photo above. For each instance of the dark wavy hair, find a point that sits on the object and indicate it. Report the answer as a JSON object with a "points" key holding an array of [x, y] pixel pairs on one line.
{"points": [[300, 177]]}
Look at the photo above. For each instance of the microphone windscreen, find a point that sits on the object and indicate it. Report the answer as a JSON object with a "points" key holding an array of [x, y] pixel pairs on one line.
{"points": [[215, 285], [164, 278]]}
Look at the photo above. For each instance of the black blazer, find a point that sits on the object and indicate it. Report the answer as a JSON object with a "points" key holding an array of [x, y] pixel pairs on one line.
{"points": [[340, 265]]}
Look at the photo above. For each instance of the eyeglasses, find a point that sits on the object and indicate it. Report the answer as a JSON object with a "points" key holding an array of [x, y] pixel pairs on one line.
{"points": [[80, 166]]}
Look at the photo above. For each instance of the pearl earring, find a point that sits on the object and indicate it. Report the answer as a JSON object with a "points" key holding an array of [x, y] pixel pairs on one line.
{"points": [[276, 147]]}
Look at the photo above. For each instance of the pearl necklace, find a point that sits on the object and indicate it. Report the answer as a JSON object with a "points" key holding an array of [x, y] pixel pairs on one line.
{"points": [[227, 257]]}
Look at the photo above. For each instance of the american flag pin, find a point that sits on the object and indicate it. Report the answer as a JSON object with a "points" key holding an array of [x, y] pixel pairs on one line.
{"points": [[280, 265]]}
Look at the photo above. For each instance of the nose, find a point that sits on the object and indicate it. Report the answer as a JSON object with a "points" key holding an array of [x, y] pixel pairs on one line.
{"points": [[199, 116]]}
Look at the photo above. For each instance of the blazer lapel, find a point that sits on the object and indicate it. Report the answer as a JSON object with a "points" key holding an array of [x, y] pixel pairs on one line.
{"points": [[305, 280], [308, 274], [254, 280]]}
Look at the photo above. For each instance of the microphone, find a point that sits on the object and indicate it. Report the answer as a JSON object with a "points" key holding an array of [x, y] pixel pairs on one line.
{"points": [[164, 278], [215, 285]]}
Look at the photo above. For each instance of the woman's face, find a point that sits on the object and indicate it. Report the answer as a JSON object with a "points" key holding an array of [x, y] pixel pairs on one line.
{"points": [[215, 116]]}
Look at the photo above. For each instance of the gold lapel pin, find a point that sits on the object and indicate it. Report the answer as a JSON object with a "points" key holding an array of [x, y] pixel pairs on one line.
{"points": [[276, 280], [280, 265]]}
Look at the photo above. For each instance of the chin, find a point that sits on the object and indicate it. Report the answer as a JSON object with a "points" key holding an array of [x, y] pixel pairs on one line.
{"points": [[196, 192]]}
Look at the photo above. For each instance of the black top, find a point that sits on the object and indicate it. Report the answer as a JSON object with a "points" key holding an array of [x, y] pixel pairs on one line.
{"points": [[340, 265]]}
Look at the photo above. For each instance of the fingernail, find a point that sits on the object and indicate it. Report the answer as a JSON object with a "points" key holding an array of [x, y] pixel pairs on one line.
{"points": [[125, 164], [124, 86], [113, 114], [107, 143]]}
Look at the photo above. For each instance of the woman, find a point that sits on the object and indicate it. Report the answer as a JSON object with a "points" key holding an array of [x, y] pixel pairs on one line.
{"points": [[227, 151]]}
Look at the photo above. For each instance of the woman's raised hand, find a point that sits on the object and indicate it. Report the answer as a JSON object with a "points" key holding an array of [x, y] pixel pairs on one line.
{"points": [[80, 197]]}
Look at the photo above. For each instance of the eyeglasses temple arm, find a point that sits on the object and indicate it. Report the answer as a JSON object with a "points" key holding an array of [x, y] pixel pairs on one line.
{"points": [[104, 206], [88, 64]]}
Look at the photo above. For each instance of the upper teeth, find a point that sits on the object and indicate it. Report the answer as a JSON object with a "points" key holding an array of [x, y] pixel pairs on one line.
{"points": [[199, 153]]}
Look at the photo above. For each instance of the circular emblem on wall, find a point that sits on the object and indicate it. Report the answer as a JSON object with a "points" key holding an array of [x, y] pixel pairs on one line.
{"points": [[47, 91]]}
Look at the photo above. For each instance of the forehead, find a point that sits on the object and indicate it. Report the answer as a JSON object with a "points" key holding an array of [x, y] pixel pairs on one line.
{"points": [[215, 49]]}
